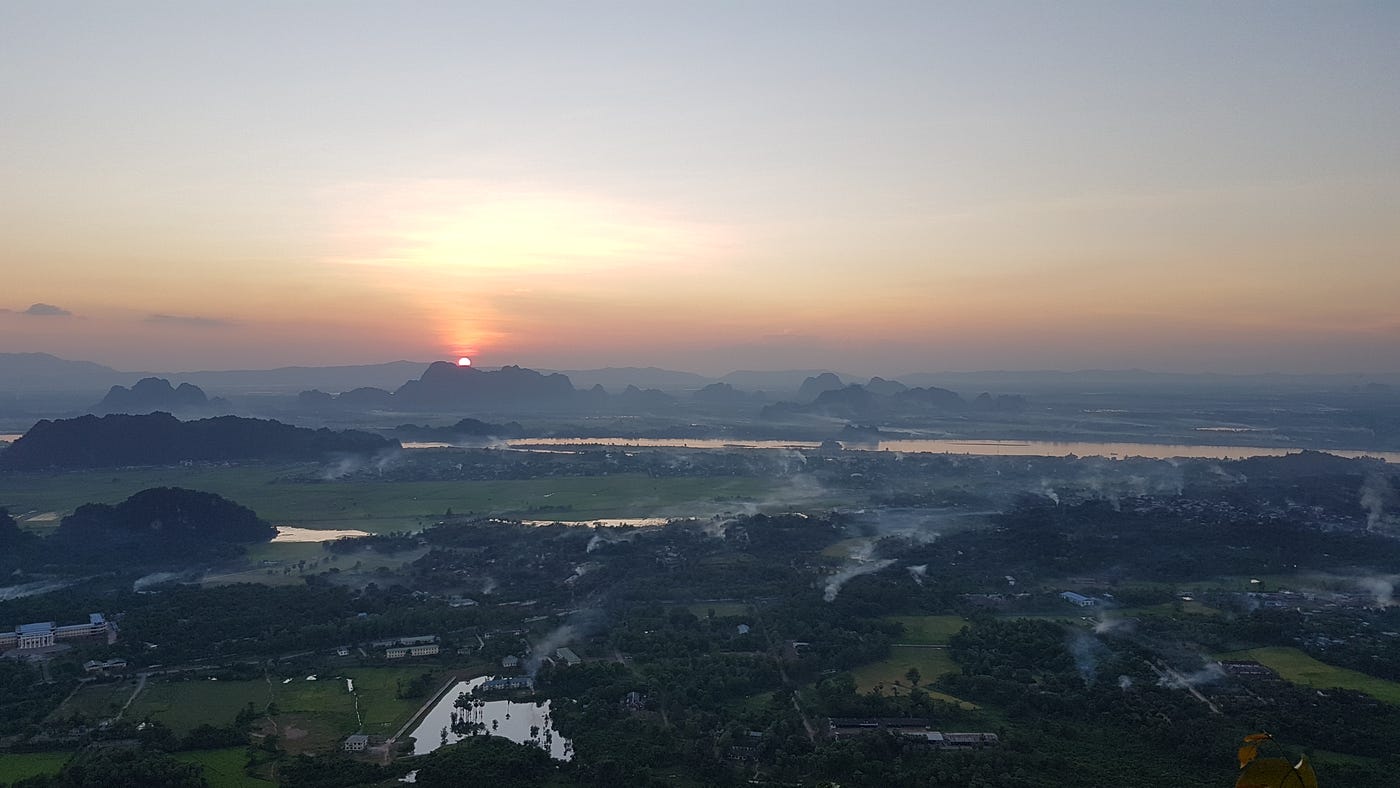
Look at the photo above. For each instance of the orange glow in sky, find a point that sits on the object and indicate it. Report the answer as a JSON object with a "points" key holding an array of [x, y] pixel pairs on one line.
{"points": [[1192, 187]]}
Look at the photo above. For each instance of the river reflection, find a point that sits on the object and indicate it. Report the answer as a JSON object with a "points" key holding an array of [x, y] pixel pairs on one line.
{"points": [[1154, 451], [523, 723]]}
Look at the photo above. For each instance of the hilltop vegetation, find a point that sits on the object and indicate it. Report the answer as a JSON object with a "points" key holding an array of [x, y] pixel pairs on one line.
{"points": [[158, 525], [161, 439]]}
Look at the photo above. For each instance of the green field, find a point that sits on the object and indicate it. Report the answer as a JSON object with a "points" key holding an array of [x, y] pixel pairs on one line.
{"points": [[1300, 668], [384, 506], [17, 766], [928, 630], [184, 705], [887, 675], [384, 712], [312, 716], [224, 768], [95, 702]]}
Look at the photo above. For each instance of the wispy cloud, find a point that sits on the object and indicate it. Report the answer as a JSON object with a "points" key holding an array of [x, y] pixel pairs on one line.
{"points": [[190, 320], [47, 310]]}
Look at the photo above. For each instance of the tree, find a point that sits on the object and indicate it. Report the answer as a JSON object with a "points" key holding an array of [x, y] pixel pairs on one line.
{"points": [[913, 675], [113, 767], [487, 760]]}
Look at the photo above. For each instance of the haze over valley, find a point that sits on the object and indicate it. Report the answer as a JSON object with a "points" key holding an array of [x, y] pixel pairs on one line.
{"points": [[672, 394]]}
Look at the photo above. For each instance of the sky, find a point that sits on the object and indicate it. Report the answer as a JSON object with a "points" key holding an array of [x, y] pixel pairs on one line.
{"points": [[876, 187]]}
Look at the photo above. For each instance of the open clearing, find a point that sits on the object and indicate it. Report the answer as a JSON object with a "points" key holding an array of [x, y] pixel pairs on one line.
{"points": [[386, 506], [1300, 668], [928, 630], [17, 766], [888, 675]]}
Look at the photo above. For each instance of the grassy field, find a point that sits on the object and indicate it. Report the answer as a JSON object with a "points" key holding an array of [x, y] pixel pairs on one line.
{"points": [[95, 701], [887, 675], [224, 768], [1300, 668], [183, 705], [383, 506], [384, 712], [17, 766], [312, 716], [928, 630], [843, 548]]}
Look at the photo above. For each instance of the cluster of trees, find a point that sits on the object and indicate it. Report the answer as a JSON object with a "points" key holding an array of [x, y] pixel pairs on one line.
{"points": [[121, 767], [26, 699]]}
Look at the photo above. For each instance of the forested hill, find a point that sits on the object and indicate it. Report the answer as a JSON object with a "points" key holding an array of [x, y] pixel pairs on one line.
{"points": [[165, 519], [162, 439], [155, 526]]}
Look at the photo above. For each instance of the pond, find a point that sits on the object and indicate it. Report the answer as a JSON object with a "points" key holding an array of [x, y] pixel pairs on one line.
{"points": [[523, 723]]}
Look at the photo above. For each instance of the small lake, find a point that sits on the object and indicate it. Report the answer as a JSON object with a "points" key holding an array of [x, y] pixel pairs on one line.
{"points": [[986, 448], [503, 718], [286, 533]]}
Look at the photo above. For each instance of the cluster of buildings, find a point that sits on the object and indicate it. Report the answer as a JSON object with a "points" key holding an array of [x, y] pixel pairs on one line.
{"points": [[411, 646], [508, 683], [42, 635], [909, 730]]}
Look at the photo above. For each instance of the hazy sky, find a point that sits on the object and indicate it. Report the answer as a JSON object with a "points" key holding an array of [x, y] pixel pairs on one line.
{"points": [[874, 187]]}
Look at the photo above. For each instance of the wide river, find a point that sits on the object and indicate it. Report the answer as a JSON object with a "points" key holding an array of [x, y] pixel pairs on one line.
{"points": [[1155, 451]]}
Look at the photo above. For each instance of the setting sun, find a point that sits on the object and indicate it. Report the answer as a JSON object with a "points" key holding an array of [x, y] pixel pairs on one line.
{"points": [[464, 362]]}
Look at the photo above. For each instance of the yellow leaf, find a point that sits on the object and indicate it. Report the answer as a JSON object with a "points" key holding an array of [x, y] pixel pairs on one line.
{"points": [[1258, 737], [1273, 773], [1247, 754]]}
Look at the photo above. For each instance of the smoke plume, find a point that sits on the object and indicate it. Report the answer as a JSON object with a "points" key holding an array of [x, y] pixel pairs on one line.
{"points": [[860, 562], [1375, 493]]}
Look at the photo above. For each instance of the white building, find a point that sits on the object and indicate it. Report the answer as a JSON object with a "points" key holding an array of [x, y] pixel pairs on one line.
{"points": [[425, 650], [1078, 599], [39, 635], [42, 634]]}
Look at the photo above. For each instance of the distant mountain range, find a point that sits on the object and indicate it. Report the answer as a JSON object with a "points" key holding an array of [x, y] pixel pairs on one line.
{"points": [[153, 394], [27, 372], [41, 372]]}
